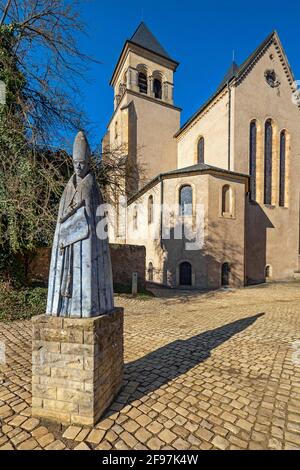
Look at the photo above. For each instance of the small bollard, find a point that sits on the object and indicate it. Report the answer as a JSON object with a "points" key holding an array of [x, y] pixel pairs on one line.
{"points": [[134, 284]]}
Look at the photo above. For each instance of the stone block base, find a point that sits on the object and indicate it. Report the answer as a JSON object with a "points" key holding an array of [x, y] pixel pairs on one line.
{"points": [[77, 367]]}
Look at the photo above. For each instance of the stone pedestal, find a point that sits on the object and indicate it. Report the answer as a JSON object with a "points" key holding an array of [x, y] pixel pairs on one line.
{"points": [[77, 367]]}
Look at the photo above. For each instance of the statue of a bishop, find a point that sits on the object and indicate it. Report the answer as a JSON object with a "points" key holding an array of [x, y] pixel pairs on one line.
{"points": [[80, 281]]}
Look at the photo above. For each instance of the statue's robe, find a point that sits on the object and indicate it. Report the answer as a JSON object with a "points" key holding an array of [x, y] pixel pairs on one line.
{"points": [[80, 280]]}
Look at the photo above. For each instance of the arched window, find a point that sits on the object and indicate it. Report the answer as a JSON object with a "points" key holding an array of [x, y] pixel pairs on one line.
{"points": [[186, 200], [116, 130], [150, 210], [135, 218], [185, 274], [143, 83], [225, 274], [157, 88], [226, 200], [150, 272], [268, 162], [200, 150], [268, 271], [282, 169], [252, 160]]}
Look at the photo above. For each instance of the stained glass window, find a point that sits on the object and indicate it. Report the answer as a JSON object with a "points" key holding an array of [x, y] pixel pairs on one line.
{"points": [[201, 150], [282, 169], [186, 201], [268, 162], [252, 170]]}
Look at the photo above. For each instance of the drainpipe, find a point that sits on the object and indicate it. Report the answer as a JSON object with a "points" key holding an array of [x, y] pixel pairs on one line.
{"points": [[229, 126], [161, 209]]}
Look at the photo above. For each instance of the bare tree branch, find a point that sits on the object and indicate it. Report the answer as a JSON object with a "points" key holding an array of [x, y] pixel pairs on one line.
{"points": [[5, 12]]}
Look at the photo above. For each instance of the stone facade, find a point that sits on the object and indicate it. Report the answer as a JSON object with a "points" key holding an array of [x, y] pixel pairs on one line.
{"points": [[272, 230], [212, 125], [77, 367], [223, 236], [260, 242]]}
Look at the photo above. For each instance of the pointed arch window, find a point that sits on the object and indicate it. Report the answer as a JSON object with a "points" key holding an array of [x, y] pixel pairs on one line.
{"points": [[282, 169], [186, 201], [268, 162], [200, 150], [143, 83], [252, 160]]}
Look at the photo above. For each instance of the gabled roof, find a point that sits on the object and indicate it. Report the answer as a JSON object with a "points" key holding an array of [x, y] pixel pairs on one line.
{"points": [[257, 51], [144, 38], [237, 72], [203, 167]]}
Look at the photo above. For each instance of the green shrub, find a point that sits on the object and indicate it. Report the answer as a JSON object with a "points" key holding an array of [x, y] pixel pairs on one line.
{"points": [[20, 304]]}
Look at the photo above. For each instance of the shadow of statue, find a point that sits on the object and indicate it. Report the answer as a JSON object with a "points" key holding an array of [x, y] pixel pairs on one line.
{"points": [[159, 367]]}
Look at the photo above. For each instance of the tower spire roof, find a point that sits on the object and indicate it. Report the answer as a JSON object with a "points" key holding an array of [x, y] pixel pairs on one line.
{"points": [[231, 73], [144, 38]]}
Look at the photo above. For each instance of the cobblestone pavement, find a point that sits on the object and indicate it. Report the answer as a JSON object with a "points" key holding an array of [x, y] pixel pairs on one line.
{"points": [[203, 371]]}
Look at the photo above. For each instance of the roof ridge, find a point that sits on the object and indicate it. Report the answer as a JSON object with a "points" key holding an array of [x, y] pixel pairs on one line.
{"points": [[182, 171], [237, 75], [261, 46]]}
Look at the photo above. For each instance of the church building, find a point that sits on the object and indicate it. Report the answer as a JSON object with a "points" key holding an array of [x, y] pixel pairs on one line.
{"points": [[235, 162]]}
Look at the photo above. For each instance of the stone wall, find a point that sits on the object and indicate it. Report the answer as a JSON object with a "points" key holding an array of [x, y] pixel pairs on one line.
{"points": [[77, 367], [126, 259]]}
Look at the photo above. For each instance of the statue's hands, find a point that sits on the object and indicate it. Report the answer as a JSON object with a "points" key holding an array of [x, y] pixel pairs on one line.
{"points": [[72, 212]]}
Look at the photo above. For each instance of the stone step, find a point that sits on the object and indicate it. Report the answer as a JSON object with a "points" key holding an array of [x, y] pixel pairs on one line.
{"points": [[297, 275]]}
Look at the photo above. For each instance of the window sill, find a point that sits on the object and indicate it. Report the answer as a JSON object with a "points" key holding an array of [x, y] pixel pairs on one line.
{"points": [[227, 216]]}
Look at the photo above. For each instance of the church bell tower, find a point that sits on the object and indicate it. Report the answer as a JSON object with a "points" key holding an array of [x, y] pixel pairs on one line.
{"points": [[145, 118]]}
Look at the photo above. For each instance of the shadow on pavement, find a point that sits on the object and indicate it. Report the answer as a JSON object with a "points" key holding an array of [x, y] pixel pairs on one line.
{"points": [[149, 373]]}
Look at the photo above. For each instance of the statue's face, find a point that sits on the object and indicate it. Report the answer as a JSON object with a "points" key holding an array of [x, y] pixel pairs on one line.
{"points": [[81, 168]]}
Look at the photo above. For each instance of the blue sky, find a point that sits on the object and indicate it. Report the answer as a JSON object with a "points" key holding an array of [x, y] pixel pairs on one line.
{"points": [[201, 35]]}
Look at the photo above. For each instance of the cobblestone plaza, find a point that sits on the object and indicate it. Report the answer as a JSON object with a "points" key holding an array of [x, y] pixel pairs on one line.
{"points": [[203, 371]]}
